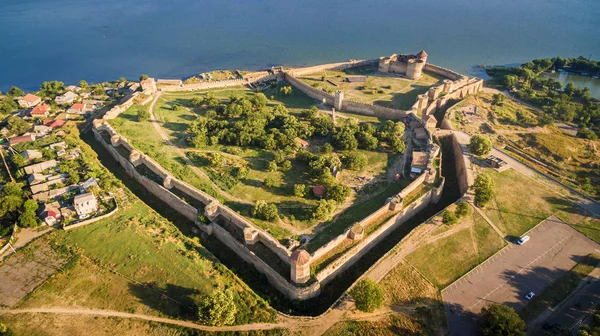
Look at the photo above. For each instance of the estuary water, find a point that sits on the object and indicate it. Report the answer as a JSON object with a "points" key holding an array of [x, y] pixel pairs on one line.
{"points": [[70, 40]]}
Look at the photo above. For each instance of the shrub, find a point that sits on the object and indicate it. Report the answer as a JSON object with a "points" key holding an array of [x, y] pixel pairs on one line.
{"points": [[327, 148], [218, 308], [264, 210], [286, 90], [355, 161], [175, 107], [286, 166], [300, 190], [143, 114], [367, 294], [272, 166], [324, 209], [449, 217], [269, 182], [484, 189], [462, 209], [480, 145], [338, 193]]}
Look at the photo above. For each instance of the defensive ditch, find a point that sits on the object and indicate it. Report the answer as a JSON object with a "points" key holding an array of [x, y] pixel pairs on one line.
{"points": [[258, 282]]}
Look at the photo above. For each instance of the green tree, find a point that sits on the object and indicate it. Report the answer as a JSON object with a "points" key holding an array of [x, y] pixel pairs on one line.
{"points": [[83, 84], [7, 105], [462, 209], [143, 76], [311, 112], [449, 217], [324, 209], [300, 190], [15, 92], [337, 192], [12, 198], [286, 90], [29, 218], [286, 166], [272, 167], [264, 210], [397, 145], [498, 99], [143, 114], [355, 161], [327, 148], [480, 145], [196, 101], [259, 100], [122, 80], [18, 160], [484, 189], [51, 89], [510, 80], [500, 320], [175, 107], [218, 309], [367, 294], [17, 125], [269, 182]]}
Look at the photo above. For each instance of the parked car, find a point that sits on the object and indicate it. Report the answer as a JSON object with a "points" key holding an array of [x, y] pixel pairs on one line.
{"points": [[522, 240], [530, 295]]}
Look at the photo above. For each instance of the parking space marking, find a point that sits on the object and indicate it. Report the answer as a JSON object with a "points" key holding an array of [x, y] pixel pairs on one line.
{"points": [[521, 270]]}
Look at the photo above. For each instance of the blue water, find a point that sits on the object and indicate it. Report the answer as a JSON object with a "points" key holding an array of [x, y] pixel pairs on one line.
{"points": [[69, 40]]}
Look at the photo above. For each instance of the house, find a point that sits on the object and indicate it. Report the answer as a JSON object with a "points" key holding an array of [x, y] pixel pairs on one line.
{"points": [[20, 139], [40, 167], [52, 180], [430, 121], [91, 182], [52, 124], [77, 109], [73, 88], [85, 204], [41, 110], [148, 86], [318, 191], [50, 213], [55, 145], [419, 162], [66, 98], [36, 178], [29, 100], [31, 154], [41, 130], [303, 143]]}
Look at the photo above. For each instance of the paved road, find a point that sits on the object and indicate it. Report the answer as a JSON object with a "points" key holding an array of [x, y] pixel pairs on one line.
{"points": [[576, 309], [554, 248]]}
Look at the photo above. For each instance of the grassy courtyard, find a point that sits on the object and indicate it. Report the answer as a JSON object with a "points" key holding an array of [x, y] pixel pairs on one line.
{"points": [[176, 111], [382, 89], [446, 259]]}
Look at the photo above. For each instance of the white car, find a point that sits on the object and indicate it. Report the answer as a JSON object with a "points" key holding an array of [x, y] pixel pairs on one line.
{"points": [[530, 295], [522, 240]]}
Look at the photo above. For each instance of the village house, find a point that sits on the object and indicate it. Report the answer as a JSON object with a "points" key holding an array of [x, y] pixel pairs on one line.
{"points": [[36, 178], [41, 110], [77, 109], [85, 204], [303, 143], [66, 98], [29, 101], [32, 154], [73, 88], [53, 124], [20, 139], [41, 130], [419, 162], [40, 167], [318, 191], [50, 213]]}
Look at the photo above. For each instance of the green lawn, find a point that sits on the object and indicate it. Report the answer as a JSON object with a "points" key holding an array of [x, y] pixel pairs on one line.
{"points": [[520, 203], [396, 92], [447, 259], [150, 254], [560, 289]]}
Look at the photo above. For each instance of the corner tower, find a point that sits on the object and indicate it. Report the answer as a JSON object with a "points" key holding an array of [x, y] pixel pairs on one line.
{"points": [[414, 66]]}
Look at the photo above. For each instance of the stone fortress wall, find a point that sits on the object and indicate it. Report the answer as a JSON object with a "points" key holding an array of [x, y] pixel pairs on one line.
{"points": [[428, 103]]}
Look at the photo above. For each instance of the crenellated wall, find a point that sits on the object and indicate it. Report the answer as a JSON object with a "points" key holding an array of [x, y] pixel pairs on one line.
{"points": [[330, 66], [314, 93]]}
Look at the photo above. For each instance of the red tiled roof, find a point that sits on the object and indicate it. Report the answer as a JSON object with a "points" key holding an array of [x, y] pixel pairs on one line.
{"points": [[78, 106], [40, 109], [300, 257], [51, 214], [319, 190], [55, 123], [30, 98], [19, 139], [422, 54]]}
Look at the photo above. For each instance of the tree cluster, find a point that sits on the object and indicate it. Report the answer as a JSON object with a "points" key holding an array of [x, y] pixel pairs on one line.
{"points": [[500, 320], [480, 145], [367, 294], [484, 189], [264, 210]]}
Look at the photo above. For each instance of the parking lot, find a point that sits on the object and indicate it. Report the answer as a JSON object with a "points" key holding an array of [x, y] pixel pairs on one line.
{"points": [[508, 276]]}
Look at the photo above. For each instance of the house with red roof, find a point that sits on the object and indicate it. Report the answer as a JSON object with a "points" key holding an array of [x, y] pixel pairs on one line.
{"points": [[77, 108], [29, 100], [319, 191], [41, 110], [20, 139], [53, 124]]}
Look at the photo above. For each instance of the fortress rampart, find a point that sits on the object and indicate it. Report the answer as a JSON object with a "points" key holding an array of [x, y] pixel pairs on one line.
{"points": [[167, 188]]}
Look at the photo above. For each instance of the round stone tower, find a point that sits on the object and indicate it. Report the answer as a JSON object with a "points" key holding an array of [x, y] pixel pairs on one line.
{"points": [[300, 266], [414, 67]]}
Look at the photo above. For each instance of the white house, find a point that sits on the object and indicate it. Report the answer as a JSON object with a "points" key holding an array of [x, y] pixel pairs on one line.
{"points": [[85, 204], [67, 98], [29, 101]]}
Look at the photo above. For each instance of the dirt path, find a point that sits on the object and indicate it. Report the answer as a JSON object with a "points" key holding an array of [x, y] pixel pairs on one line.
{"points": [[181, 152]]}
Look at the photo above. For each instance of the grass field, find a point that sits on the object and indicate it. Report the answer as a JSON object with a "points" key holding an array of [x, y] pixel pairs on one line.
{"points": [[151, 256], [404, 285], [560, 289], [60, 325], [420, 322], [447, 259], [514, 216], [387, 90]]}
